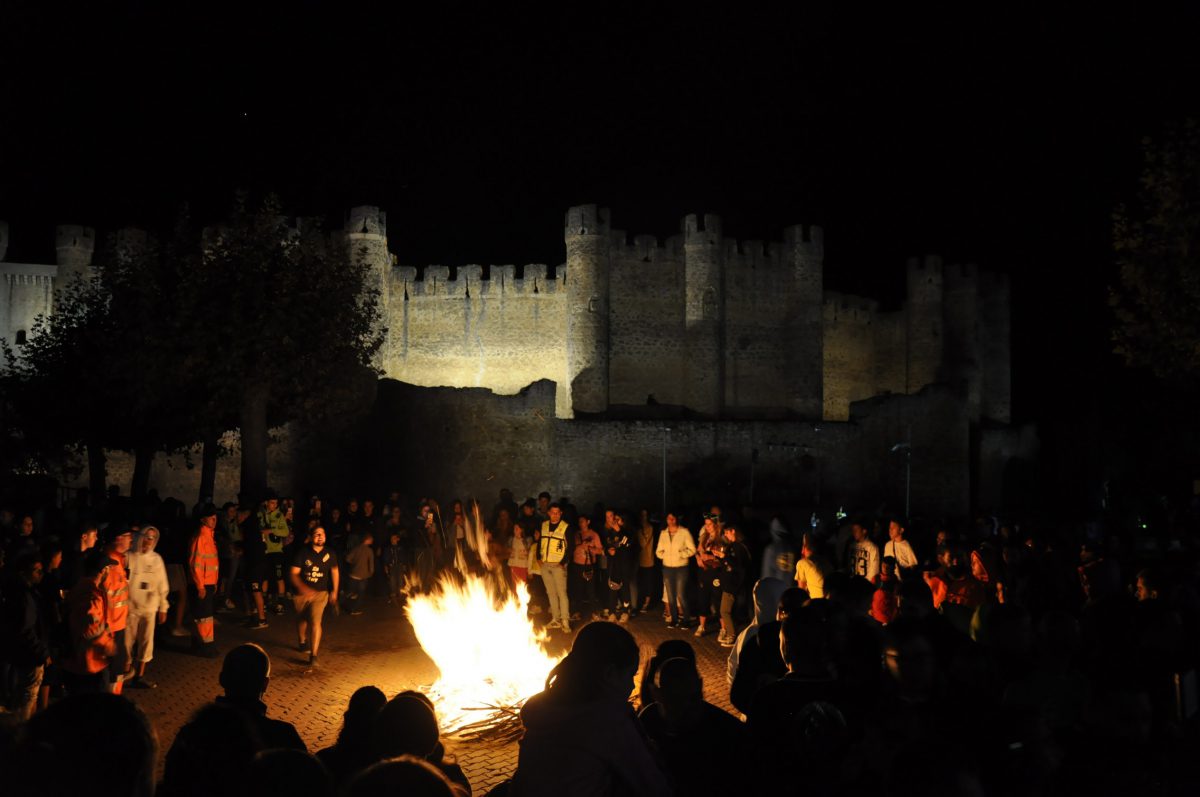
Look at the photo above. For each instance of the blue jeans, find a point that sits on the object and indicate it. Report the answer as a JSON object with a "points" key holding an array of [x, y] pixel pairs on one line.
{"points": [[675, 579]]}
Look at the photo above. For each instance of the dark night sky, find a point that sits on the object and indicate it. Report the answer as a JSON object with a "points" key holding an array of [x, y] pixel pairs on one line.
{"points": [[1001, 137]]}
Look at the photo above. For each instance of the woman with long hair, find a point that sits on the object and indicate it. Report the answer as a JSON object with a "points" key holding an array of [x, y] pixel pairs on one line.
{"points": [[581, 735]]}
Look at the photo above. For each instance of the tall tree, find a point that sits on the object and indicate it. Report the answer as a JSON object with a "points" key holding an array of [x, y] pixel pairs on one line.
{"points": [[1156, 240], [100, 371], [285, 321]]}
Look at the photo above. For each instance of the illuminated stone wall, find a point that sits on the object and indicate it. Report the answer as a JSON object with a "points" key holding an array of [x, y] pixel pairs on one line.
{"points": [[470, 443]]}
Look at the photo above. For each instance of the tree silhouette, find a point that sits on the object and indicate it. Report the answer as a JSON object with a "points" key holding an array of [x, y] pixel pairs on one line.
{"points": [[1156, 240]]}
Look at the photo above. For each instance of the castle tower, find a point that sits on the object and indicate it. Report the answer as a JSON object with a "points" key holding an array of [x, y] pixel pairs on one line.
{"points": [[588, 239], [703, 314], [366, 234], [3, 239], [804, 251], [961, 314], [926, 336], [995, 332], [74, 246]]}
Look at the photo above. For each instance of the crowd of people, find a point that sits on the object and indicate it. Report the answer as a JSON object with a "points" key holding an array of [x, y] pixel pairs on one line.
{"points": [[863, 656]]}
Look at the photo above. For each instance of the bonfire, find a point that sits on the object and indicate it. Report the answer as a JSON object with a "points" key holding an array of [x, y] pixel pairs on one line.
{"points": [[489, 655]]}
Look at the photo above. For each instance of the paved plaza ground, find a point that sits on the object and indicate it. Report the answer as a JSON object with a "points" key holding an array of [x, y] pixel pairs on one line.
{"points": [[378, 648]]}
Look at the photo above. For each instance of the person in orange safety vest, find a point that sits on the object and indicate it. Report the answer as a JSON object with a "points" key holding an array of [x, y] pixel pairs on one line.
{"points": [[116, 585], [91, 644], [202, 580]]}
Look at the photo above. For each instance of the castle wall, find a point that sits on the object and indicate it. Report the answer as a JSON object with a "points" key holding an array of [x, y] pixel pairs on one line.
{"points": [[995, 347], [923, 311], [26, 291], [849, 359], [960, 312], [646, 340], [486, 442], [502, 333], [759, 293], [935, 423], [890, 332]]}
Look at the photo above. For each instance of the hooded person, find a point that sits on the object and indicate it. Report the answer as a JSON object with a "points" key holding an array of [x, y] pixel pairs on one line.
{"points": [[781, 554], [581, 735], [148, 603], [765, 594]]}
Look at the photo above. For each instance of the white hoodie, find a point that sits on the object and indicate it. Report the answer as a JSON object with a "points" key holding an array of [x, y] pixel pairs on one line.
{"points": [[147, 581]]}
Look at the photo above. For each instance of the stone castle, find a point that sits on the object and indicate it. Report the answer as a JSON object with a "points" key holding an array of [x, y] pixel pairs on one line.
{"points": [[734, 351], [701, 322]]}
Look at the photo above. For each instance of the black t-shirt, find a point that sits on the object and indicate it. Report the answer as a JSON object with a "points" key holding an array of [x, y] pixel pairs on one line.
{"points": [[316, 568]]}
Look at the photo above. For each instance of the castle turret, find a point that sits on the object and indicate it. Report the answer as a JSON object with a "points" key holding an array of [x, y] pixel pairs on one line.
{"points": [[366, 234], [3, 239], [926, 339], [961, 314], [995, 333], [588, 239], [703, 314], [804, 251], [74, 246]]}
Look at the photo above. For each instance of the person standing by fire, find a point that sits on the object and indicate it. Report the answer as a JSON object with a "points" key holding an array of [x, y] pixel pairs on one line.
{"points": [[315, 578], [552, 551], [202, 581]]}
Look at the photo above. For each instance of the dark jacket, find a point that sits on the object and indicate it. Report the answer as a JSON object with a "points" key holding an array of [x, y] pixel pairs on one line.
{"points": [[735, 566], [26, 631], [274, 733]]}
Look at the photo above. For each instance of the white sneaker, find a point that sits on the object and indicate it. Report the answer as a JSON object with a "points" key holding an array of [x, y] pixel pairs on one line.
{"points": [[566, 627], [554, 624]]}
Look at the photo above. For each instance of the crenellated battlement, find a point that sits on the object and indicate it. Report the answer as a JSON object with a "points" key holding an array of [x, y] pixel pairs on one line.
{"points": [[697, 231], [74, 245], [366, 220], [925, 277], [994, 282], [848, 308], [586, 220], [467, 281], [960, 272], [754, 255]]}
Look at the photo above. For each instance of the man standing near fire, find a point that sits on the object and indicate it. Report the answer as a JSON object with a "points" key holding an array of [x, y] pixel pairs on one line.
{"points": [[552, 551], [315, 578], [202, 580]]}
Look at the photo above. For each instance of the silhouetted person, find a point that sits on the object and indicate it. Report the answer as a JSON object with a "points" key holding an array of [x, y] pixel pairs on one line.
{"points": [[211, 754], [352, 750], [405, 775], [289, 772], [408, 725], [682, 725], [98, 745], [245, 675]]}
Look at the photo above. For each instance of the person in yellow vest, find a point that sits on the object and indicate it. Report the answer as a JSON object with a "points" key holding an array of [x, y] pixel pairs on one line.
{"points": [[272, 522], [552, 551], [202, 580]]}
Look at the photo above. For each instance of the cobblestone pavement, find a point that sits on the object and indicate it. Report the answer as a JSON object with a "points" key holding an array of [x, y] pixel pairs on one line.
{"points": [[378, 648]]}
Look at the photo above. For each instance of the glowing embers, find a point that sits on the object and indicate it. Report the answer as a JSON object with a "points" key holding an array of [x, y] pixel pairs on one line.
{"points": [[489, 655]]}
